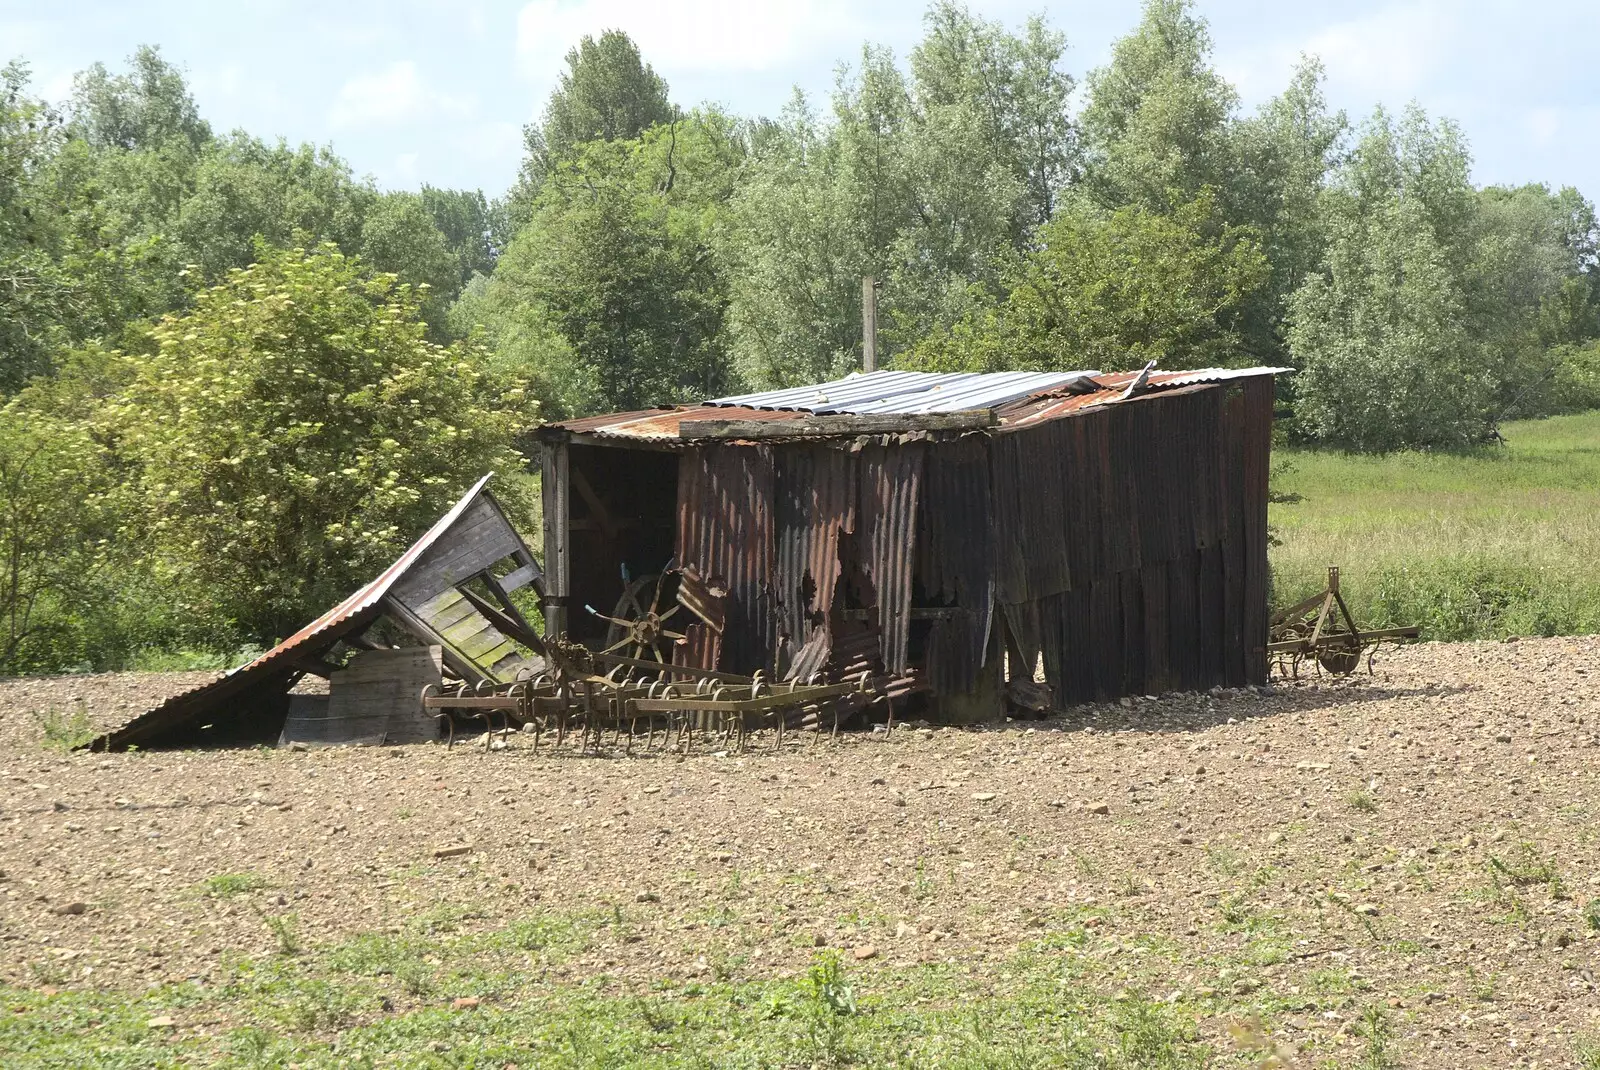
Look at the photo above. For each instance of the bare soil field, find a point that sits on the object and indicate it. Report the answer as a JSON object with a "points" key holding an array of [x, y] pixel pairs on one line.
{"points": [[1412, 853]]}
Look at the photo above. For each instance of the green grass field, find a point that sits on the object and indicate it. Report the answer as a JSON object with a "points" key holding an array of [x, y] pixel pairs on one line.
{"points": [[1481, 546], [392, 1001]]}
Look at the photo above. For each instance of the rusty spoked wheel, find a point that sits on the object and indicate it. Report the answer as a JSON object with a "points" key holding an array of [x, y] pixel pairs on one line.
{"points": [[637, 627]]}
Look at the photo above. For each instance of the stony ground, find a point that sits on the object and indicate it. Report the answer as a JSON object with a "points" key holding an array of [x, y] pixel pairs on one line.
{"points": [[1422, 841]]}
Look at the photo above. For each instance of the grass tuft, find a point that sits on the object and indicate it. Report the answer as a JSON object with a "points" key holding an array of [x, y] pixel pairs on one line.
{"points": [[65, 731], [229, 885]]}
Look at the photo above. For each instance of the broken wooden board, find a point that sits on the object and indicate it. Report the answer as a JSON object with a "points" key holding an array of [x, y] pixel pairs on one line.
{"points": [[375, 699]]}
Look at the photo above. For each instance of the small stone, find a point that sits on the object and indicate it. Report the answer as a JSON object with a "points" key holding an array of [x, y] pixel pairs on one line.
{"points": [[71, 908], [899, 800], [653, 789], [647, 897], [1563, 939], [878, 781], [1186, 840], [1058, 803], [864, 952], [1099, 808], [297, 745], [983, 796], [902, 930], [453, 850], [165, 1021], [59, 806], [1502, 737], [530, 728], [464, 1003], [818, 940], [1276, 838], [1367, 909]]}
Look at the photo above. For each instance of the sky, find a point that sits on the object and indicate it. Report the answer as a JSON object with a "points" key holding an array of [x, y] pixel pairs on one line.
{"points": [[437, 92]]}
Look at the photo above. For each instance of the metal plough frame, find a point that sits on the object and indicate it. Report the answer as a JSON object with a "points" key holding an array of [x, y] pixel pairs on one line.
{"points": [[1331, 638], [715, 706]]}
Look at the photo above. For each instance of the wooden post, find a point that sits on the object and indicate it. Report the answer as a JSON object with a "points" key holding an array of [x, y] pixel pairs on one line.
{"points": [[869, 324], [557, 570]]}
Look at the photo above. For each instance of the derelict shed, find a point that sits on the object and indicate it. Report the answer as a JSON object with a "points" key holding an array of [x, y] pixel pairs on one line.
{"points": [[950, 532]]}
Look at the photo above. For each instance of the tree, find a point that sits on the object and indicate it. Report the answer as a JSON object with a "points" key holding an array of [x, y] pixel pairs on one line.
{"points": [[1015, 89], [1156, 124], [36, 296], [398, 235], [1284, 154], [53, 520], [607, 93], [293, 431], [148, 108], [1382, 335], [465, 220], [611, 292], [927, 181], [1111, 291], [245, 189]]}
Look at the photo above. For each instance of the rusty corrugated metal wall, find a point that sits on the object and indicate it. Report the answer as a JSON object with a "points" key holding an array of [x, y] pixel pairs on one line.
{"points": [[891, 484], [955, 560], [725, 516], [815, 504], [1124, 546]]}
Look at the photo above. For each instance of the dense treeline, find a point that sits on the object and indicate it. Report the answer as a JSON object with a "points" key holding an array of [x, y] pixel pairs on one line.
{"points": [[238, 376]]}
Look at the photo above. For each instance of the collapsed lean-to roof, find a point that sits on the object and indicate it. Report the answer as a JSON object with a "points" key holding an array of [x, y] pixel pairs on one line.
{"points": [[418, 590], [905, 399]]}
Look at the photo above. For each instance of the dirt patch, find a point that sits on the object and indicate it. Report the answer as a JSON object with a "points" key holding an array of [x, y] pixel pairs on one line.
{"points": [[1422, 840]]}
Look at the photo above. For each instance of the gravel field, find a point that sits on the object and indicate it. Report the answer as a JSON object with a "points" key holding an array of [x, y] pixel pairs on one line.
{"points": [[1422, 840]]}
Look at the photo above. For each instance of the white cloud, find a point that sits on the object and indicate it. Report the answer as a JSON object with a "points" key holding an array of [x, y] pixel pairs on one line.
{"points": [[690, 36], [394, 95]]}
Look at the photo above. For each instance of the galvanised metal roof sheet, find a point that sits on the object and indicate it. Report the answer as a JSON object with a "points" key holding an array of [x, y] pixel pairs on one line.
{"points": [[1020, 399], [908, 393]]}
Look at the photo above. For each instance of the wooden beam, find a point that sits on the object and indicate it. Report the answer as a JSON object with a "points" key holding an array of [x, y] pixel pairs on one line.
{"points": [[314, 665], [597, 508], [456, 662], [504, 622], [557, 566], [820, 426], [518, 578]]}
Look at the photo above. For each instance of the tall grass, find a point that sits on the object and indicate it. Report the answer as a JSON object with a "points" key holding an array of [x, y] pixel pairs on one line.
{"points": [[1502, 541]]}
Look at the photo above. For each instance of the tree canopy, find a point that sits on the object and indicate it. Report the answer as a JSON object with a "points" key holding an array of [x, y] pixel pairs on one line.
{"points": [[265, 373]]}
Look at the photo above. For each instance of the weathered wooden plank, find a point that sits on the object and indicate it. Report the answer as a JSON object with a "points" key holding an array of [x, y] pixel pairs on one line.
{"points": [[479, 539], [376, 698], [519, 578], [447, 609], [821, 426], [459, 665]]}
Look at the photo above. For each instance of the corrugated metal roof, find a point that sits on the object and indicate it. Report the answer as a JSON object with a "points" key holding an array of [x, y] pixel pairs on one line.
{"points": [[908, 393], [1020, 399], [319, 634]]}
